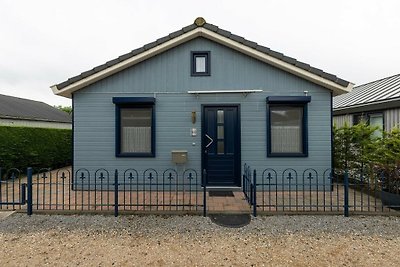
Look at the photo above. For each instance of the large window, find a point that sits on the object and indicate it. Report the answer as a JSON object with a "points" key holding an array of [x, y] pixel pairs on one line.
{"points": [[287, 126], [135, 133]]}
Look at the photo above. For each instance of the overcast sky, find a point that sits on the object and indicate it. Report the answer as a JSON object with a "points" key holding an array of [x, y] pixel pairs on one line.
{"points": [[46, 42]]}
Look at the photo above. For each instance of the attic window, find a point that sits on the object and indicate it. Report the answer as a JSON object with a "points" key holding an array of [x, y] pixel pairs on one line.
{"points": [[200, 63]]}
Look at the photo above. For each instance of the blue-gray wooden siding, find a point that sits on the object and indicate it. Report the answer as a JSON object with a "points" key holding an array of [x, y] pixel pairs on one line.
{"points": [[167, 77]]}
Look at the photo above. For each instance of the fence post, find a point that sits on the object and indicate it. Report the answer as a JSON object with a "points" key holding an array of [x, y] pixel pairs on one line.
{"points": [[254, 193], [203, 181], [116, 193], [29, 200], [244, 184], [22, 194], [346, 193]]}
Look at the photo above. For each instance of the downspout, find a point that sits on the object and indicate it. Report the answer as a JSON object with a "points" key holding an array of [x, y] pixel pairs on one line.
{"points": [[332, 154], [73, 143]]}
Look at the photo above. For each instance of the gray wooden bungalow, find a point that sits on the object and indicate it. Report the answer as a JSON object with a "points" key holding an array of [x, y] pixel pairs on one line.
{"points": [[203, 98], [377, 103]]}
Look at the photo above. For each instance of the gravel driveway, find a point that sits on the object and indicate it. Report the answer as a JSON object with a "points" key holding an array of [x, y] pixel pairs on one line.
{"points": [[87, 240]]}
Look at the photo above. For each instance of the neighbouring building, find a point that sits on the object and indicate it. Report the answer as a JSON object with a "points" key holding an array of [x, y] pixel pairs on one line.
{"points": [[15, 111], [377, 103]]}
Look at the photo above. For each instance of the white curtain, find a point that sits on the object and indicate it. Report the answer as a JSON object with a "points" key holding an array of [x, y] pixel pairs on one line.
{"points": [[136, 139], [286, 139]]}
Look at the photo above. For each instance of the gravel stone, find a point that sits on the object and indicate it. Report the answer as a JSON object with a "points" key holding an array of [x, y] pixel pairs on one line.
{"points": [[94, 240]]}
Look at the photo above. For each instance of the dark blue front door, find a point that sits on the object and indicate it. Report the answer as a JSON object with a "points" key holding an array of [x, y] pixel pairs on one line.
{"points": [[221, 145]]}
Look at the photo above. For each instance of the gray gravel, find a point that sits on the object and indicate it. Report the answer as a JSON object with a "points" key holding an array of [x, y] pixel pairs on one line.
{"points": [[89, 240]]}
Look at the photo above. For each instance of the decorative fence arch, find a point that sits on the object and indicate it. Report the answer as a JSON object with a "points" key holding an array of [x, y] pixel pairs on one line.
{"points": [[309, 191], [102, 190]]}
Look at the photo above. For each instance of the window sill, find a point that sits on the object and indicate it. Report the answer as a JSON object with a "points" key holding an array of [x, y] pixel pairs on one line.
{"points": [[287, 155], [200, 74], [135, 155]]}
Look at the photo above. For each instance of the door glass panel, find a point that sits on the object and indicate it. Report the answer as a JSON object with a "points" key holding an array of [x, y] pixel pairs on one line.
{"points": [[229, 127], [220, 116], [220, 132], [220, 147]]}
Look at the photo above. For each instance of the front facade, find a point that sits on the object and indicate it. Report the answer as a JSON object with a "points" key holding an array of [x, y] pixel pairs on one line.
{"points": [[377, 103], [203, 99]]}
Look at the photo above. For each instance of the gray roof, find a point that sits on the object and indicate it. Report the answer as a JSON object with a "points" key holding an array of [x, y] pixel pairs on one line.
{"points": [[221, 32], [26, 109], [380, 91]]}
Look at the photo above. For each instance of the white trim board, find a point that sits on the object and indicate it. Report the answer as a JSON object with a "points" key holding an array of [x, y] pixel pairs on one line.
{"points": [[225, 91]]}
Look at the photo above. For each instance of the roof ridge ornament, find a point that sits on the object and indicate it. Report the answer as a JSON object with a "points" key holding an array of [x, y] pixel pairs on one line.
{"points": [[199, 21]]}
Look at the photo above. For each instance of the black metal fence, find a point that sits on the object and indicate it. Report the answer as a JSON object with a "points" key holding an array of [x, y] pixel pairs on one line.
{"points": [[269, 191], [102, 190], [288, 191], [249, 190]]}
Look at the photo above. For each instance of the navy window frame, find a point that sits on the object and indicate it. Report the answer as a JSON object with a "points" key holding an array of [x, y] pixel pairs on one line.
{"points": [[132, 103], [288, 101], [207, 56]]}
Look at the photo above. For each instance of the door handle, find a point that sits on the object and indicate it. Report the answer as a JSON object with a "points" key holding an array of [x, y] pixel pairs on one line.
{"points": [[210, 141]]}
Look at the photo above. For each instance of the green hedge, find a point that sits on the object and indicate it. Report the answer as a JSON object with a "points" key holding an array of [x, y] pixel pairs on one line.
{"points": [[359, 150], [22, 147]]}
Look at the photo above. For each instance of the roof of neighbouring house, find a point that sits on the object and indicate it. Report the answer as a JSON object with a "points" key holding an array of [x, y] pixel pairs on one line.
{"points": [[377, 92], [200, 28], [26, 109]]}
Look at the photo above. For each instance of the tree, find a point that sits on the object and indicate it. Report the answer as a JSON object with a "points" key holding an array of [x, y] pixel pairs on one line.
{"points": [[67, 109]]}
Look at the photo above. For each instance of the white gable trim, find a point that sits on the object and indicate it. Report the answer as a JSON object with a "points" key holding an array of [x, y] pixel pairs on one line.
{"points": [[200, 31], [336, 88]]}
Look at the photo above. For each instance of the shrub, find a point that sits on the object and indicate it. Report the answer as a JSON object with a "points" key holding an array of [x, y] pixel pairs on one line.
{"points": [[358, 150], [354, 147], [388, 161], [22, 147]]}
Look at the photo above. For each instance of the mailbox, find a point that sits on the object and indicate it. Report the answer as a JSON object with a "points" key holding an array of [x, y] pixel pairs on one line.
{"points": [[179, 156]]}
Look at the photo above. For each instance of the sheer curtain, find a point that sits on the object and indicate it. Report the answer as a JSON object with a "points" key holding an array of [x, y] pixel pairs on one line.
{"points": [[136, 139], [286, 139], [286, 129], [136, 130]]}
